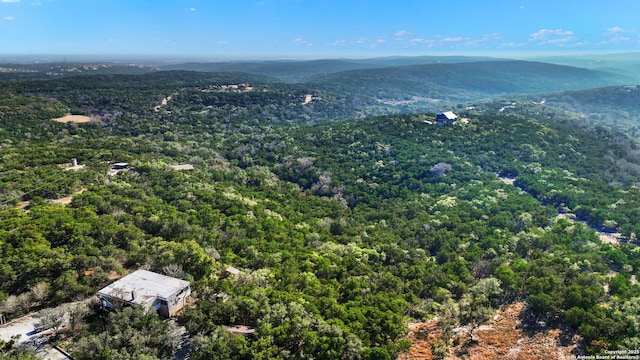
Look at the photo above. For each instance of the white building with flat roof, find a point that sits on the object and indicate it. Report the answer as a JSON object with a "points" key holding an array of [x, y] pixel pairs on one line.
{"points": [[164, 294]]}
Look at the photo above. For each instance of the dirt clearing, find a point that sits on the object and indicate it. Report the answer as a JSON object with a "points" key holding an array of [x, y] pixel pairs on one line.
{"points": [[506, 336], [76, 119]]}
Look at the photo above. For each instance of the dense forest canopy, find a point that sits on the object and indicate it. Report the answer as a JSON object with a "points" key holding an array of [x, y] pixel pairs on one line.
{"points": [[346, 218]]}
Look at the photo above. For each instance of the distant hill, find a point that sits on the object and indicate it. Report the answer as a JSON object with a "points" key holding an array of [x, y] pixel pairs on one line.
{"points": [[624, 64], [615, 105], [288, 71], [422, 60], [420, 83], [301, 71], [45, 71], [466, 81]]}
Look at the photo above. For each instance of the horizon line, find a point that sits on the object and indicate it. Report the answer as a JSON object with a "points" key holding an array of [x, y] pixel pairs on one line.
{"points": [[176, 57]]}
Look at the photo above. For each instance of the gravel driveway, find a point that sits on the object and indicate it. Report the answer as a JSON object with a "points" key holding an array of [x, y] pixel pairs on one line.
{"points": [[24, 327]]}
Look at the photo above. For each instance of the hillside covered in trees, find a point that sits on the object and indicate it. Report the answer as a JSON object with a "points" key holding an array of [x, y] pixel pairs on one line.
{"points": [[346, 218]]}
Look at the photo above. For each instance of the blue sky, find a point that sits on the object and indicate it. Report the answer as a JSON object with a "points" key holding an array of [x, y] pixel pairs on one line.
{"points": [[241, 29]]}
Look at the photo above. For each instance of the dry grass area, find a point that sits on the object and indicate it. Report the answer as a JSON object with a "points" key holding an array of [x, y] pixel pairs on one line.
{"points": [[22, 205], [62, 201], [67, 199], [610, 238], [505, 336], [76, 119], [114, 276]]}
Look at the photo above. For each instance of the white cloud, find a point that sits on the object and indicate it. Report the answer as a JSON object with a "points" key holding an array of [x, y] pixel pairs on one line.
{"points": [[8, 18], [512, 45], [449, 41], [192, 9], [559, 41], [37, 3], [402, 33], [616, 30], [548, 33], [337, 43], [617, 34], [299, 41], [9, 1], [485, 38], [557, 37]]}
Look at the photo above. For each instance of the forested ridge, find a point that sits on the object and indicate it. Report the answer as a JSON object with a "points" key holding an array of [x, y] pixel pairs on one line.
{"points": [[345, 224], [615, 105]]}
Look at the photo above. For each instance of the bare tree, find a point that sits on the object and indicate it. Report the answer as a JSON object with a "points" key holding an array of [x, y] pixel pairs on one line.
{"points": [[173, 270], [39, 292], [77, 313], [10, 305], [24, 302], [52, 318]]}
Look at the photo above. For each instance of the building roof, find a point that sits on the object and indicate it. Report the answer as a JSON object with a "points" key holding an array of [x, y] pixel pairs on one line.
{"points": [[449, 115], [233, 271], [182, 167], [144, 287]]}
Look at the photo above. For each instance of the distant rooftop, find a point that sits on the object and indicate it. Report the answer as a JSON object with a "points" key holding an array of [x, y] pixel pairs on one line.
{"points": [[449, 115], [233, 271], [182, 167]]}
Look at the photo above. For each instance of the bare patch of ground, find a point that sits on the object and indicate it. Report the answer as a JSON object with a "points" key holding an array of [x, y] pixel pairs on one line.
{"points": [[114, 276], [610, 238], [422, 335], [164, 102], [62, 201], [22, 205], [506, 336], [76, 119], [507, 180], [67, 199], [307, 99]]}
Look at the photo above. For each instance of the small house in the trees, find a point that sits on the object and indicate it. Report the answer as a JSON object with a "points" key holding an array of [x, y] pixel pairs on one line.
{"points": [[153, 291], [233, 271], [118, 167], [447, 117]]}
